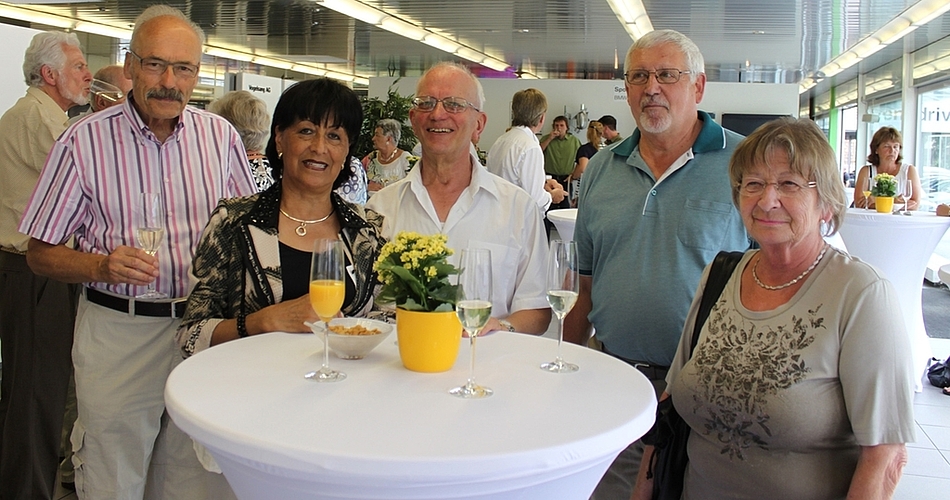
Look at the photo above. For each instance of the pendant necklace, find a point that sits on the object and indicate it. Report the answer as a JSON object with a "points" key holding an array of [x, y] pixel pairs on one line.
{"points": [[301, 230], [798, 278], [391, 156]]}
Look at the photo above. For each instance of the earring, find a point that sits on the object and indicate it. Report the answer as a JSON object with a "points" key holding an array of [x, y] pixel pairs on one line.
{"points": [[280, 155]]}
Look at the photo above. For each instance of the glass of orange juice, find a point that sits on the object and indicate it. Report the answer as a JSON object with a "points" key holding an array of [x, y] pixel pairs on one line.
{"points": [[326, 297]]}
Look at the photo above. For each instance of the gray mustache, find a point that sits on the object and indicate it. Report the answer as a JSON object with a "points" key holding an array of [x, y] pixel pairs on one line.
{"points": [[165, 94]]}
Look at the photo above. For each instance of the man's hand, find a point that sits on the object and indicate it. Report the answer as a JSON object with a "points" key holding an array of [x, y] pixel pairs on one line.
{"points": [[555, 189], [128, 265]]}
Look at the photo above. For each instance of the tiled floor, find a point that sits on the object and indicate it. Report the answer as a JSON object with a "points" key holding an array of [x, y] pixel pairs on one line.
{"points": [[928, 469]]}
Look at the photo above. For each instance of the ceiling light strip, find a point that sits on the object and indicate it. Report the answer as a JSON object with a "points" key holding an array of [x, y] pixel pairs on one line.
{"points": [[633, 15], [395, 24], [896, 29]]}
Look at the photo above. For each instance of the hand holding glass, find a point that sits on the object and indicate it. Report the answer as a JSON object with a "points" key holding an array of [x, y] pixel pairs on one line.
{"points": [[562, 294], [150, 233], [327, 291], [473, 307]]}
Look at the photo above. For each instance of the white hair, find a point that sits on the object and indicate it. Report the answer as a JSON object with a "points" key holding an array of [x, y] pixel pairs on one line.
{"points": [[161, 10], [695, 63], [479, 91], [46, 49]]}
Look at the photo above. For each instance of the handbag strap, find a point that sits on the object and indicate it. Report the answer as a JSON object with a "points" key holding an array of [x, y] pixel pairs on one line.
{"points": [[720, 272]]}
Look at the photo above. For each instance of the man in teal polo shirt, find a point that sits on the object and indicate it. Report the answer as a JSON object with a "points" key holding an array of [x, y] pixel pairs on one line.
{"points": [[654, 210]]}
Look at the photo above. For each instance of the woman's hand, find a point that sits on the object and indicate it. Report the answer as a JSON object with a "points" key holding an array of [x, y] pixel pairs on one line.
{"points": [[287, 316]]}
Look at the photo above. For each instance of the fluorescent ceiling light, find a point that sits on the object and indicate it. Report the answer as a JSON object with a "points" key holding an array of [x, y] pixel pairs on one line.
{"points": [[441, 43], [356, 10], [471, 55], [633, 15], [495, 64], [104, 30], [404, 29]]}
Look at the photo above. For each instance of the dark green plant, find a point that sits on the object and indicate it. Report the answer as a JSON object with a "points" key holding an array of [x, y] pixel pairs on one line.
{"points": [[374, 109]]}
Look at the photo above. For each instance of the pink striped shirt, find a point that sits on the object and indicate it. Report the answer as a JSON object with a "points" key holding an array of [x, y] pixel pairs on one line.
{"points": [[94, 175]]}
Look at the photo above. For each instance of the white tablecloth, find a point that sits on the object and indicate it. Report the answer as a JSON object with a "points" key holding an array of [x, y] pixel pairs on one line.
{"points": [[564, 220], [900, 247], [386, 432]]}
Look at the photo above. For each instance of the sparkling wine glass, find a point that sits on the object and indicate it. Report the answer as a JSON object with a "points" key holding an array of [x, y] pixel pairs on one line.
{"points": [[150, 233], [327, 291], [473, 306], [106, 90], [562, 294], [907, 191], [866, 191]]}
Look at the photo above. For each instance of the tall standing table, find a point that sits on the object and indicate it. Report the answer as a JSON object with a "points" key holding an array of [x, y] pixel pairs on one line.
{"points": [[900, 247], [387, 433]]}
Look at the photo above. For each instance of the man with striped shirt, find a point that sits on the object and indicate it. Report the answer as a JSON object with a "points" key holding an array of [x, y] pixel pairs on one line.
{"points": [[91, 188]]}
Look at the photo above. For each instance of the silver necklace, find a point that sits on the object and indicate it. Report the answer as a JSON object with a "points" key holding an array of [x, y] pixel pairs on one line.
{"points": [[790, 283], [302, 228]]}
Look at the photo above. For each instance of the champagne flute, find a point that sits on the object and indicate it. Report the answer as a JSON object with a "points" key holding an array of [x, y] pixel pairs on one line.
{"points": [[327, 291], [106, 90], [150, 233], [908, 191], [473, 307], [562, 294], [866, 190]]}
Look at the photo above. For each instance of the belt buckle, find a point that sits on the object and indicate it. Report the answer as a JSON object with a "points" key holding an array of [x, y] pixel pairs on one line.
{"points": [[132, 307], [174, 309]]}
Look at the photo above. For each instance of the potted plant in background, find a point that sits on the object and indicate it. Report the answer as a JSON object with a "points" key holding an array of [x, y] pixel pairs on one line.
{"points": [[414, 271], [375, 109], [884, 190]]}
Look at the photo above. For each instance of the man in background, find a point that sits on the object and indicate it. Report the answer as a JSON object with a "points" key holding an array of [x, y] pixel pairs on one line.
{"points": [[610, 129], [91, 188], [36, 313], [516, 156], [654, 210], [449, 192]]}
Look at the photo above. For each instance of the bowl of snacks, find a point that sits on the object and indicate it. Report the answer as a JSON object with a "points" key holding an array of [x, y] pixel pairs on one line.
{"points": [[354, 338]]}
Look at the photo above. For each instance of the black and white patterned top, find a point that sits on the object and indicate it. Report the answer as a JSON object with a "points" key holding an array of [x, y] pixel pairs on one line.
{"points": [[237, 264]]}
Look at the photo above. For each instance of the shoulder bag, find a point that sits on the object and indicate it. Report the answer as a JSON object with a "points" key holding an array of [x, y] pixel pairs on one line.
{"points": [[939, 373], [670, 433]]}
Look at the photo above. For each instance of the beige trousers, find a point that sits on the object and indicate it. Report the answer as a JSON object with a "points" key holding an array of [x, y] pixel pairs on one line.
{"points": [[125, 446]]}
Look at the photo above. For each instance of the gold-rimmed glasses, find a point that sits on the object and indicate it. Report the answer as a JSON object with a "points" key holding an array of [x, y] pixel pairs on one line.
{"points": [[451, 104]]}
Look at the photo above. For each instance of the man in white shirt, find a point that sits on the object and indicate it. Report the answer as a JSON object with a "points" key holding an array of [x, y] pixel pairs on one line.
{"points": [[449, 192], [517, 157]]}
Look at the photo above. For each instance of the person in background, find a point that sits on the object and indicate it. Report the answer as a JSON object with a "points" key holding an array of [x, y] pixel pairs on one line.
{"points": [[818, 402], [560, 148], [248, 114], [610, 134], [90, 189], [354, 190], [387, 164], [595, 136], [36, 313], [654, 209], [252, 266], [449, 192], [516, 156], [885, 158]]}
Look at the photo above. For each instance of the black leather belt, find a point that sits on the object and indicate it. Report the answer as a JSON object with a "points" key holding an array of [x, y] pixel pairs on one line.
{"points": [[173, 309], [652, 372]]}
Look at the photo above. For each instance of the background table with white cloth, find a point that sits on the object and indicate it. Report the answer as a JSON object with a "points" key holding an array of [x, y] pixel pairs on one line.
{"points": [[900, 247], [386, 432]]}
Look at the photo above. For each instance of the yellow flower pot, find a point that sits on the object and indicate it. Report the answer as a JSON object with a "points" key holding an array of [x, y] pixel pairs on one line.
{"points": [[428, 341], [884, 204]]}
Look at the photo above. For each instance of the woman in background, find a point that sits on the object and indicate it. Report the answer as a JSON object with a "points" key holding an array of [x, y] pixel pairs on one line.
{"points": [[248, 114], [388, 163], [885, 158], [252, 265], [595, 141], [801, 384]]}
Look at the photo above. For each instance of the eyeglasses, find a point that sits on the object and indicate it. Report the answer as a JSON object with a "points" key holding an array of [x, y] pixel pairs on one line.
{"points": [[156, 66], [755, 187], [665, 76], [451, 104]]}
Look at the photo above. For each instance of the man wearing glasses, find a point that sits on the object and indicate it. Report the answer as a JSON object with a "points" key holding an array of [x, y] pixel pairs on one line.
{"points": [[90, 188], [450, 192], [654, 210]]}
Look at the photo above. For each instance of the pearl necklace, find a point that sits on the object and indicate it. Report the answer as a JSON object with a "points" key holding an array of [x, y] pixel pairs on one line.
{"points": [[798, 278], [391, 156], [302, 228]]}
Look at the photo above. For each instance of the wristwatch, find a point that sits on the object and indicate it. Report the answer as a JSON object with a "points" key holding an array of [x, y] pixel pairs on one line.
{"points": [[507, 325]]}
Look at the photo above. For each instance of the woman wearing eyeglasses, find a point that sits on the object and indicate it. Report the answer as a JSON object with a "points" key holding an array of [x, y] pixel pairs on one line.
{"points": [[885, 158], [801, 382]]}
